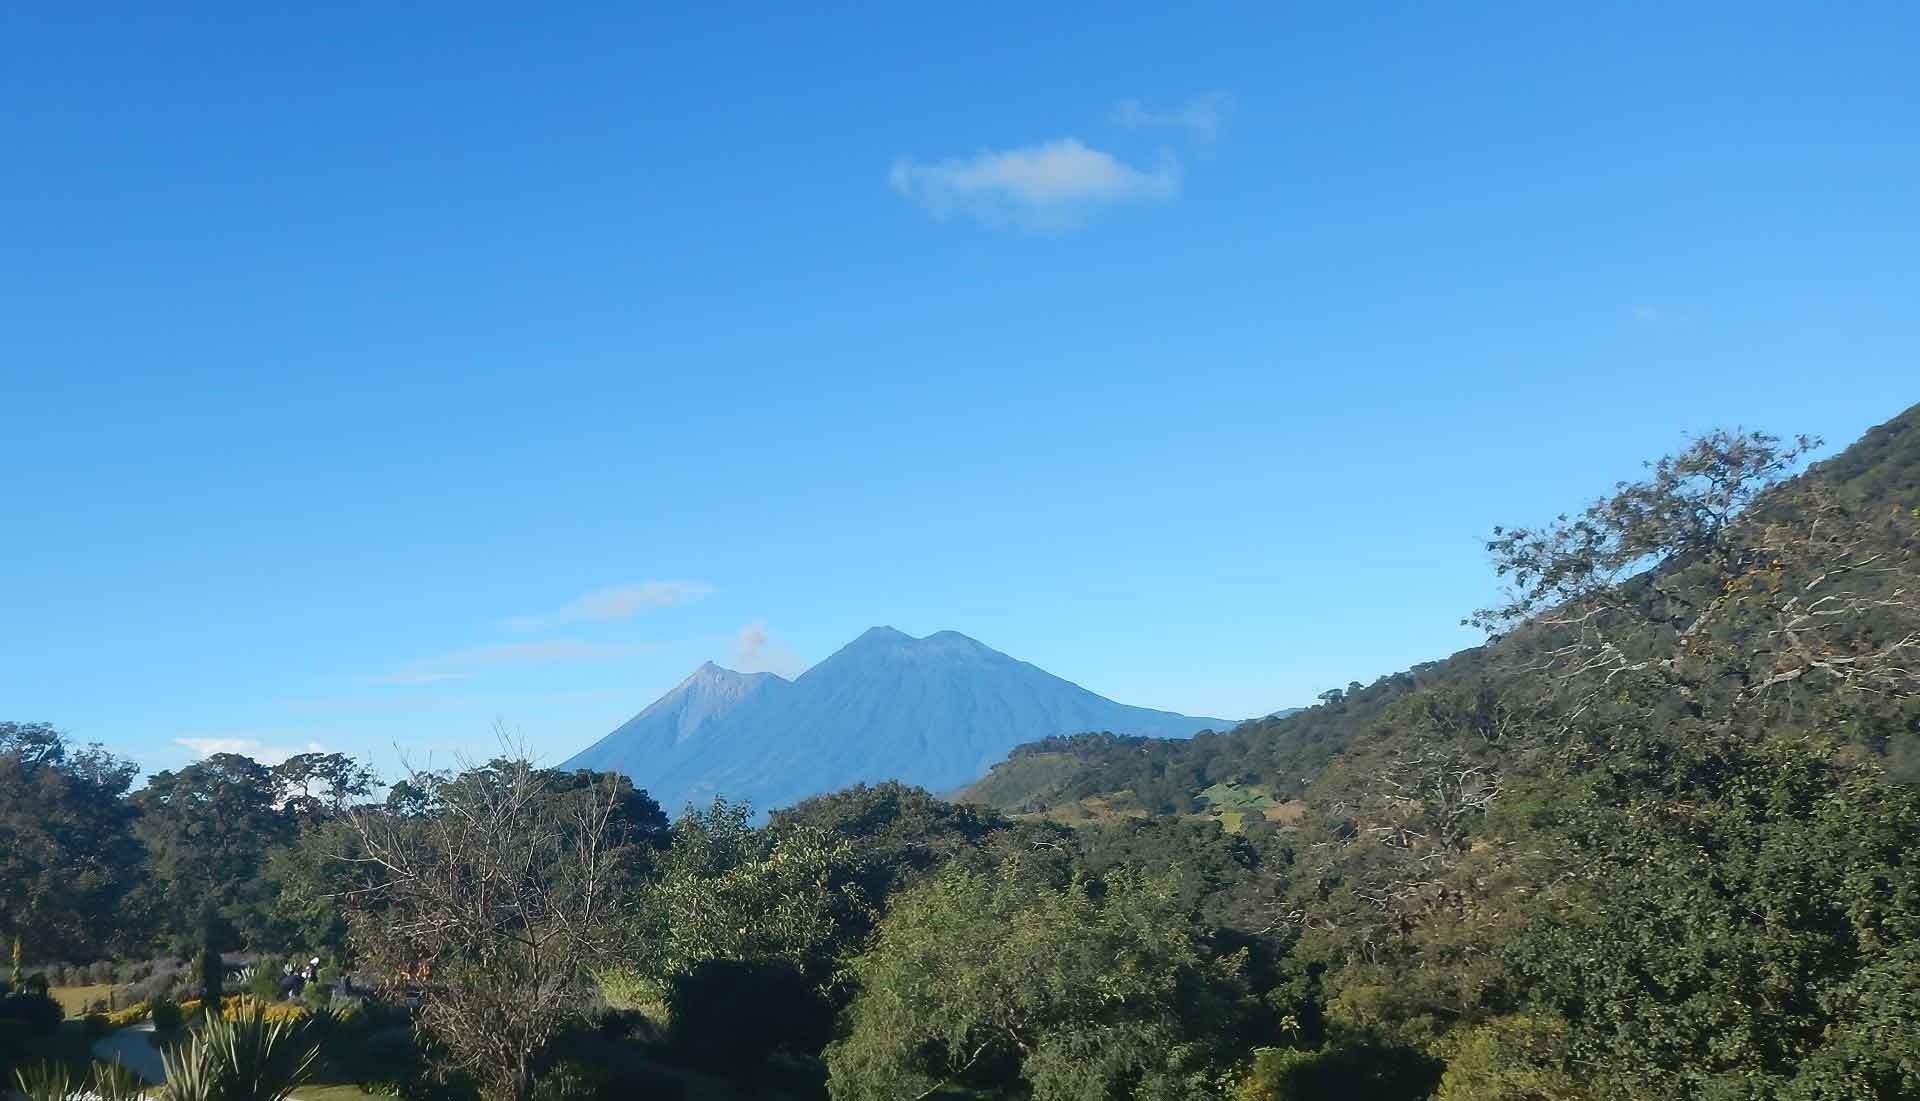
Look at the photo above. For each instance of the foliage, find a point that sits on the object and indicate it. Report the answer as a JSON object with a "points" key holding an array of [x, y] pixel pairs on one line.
{"points": [[46, 1082], [36, 1010], [732, 1014], [113, 1082], [55, 1081], [1512, 1058], [207, 829], [1787, 874], [992, 978], [210, 970], [131, 1015], [263, 985], [241, 1058], [244, 1007], [1652, 840], [897, 833], [68, 857], [728, 891], [497, 895], [1351, 1071], [1682, 511]]}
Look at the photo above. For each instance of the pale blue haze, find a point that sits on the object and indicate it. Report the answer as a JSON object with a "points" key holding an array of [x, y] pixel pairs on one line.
{"points": [[346, 352]]}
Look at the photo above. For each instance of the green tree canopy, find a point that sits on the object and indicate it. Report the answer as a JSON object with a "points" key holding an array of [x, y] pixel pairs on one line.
{"points": [[68, 856], [993, 979]]}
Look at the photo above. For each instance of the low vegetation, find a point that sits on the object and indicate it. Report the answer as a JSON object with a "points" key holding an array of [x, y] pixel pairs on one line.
{"points": [[1653, 840]]}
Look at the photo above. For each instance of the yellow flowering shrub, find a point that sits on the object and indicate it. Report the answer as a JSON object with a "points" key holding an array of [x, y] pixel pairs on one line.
{"points": [[238, 1006], [132, 1015]]}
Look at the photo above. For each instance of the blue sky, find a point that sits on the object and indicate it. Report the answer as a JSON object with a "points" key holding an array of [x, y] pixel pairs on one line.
{"points": [[371, 377]]}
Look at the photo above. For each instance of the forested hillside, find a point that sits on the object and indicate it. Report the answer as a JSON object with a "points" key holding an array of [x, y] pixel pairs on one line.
{"points": [[1282, 755], [1654, 840]]}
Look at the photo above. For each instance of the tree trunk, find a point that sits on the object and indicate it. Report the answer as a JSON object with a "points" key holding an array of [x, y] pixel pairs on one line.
{"points": [[523, 1079]]}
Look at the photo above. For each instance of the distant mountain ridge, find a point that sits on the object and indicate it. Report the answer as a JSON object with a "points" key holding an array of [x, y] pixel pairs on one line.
{"points": [[935, 711]]}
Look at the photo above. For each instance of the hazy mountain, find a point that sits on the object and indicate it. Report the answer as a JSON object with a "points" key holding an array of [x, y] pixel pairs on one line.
{"points": [[935, 711]]}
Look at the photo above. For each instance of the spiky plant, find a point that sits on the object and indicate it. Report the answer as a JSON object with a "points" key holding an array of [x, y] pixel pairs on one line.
{"points": [[46, 1082], [113, 1082], [248, 1058]]}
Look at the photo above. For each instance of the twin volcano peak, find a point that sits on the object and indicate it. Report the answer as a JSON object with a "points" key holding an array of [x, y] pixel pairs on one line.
{"points": [[936, 711]]}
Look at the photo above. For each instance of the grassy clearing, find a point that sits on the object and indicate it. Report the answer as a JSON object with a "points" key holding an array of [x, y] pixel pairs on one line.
{"points": [[74, 999], [1235, 797], [337, 1091]]}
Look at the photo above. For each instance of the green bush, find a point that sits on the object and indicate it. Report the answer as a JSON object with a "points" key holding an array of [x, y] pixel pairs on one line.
{"points": [[97, 1024], [641, 995], [264, 985], [166, 1016], [1338, 1072], [388, 1060], [570, 1081], [32, 1013], [732, 1014]]}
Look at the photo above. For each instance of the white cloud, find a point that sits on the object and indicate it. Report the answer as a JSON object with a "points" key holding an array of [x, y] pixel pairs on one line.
{"points": [[1052, 186], [247, 747], [1203, 116], [756, 652], [618, 602]]}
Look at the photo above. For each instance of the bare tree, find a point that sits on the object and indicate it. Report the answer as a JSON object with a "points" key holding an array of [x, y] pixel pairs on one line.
{"points": [[1835, 592], [492, 895]]}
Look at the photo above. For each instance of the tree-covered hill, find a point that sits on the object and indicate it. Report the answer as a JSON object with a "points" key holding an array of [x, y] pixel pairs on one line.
{"points": [[1653, 840], [1282, 756]]}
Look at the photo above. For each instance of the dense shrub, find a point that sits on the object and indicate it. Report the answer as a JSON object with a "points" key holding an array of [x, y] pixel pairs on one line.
{"points": [[33, 984], [244, 1008], [33, 1013], [1338, 1072], [732, 1014], [571, 1081], [166, 1016], [131, 1015], [264, 985]]}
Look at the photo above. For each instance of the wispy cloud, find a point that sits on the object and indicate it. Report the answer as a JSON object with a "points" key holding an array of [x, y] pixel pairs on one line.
{"points": [[1203, 117], [1051, 186], [461, 664], [260, 751], [420, 676], [363, 705], [616, 602], [539, 652], [754, 651]]}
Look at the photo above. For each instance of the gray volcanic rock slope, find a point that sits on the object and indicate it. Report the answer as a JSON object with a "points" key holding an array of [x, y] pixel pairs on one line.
{"points": [[935, 711]]}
